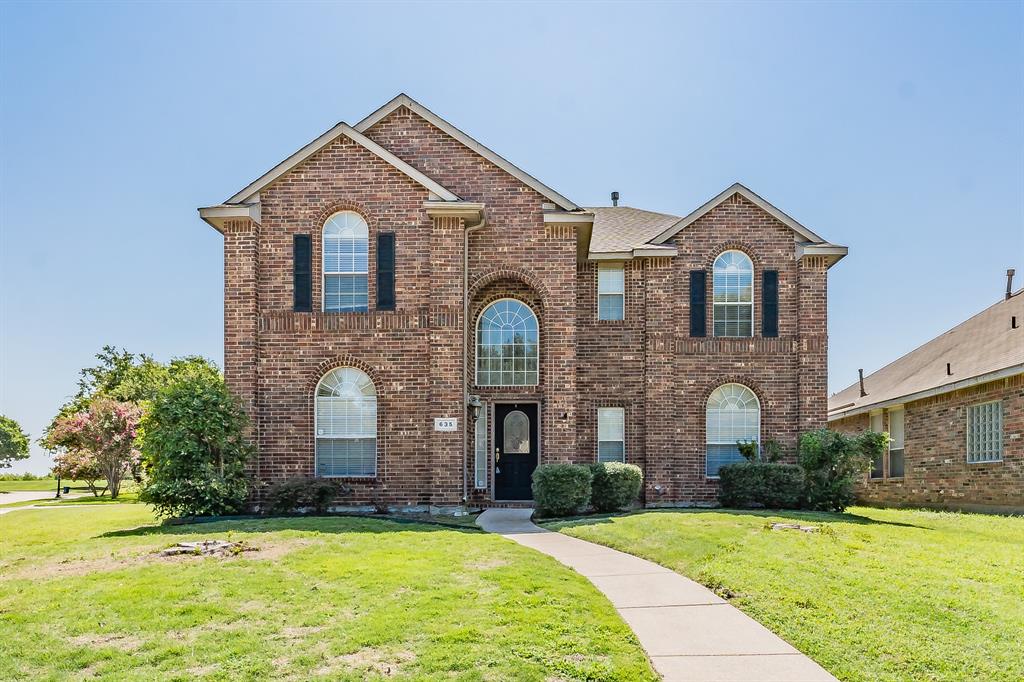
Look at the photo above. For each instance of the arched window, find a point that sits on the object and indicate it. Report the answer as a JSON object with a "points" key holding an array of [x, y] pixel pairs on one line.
{"points": [[346, 245], [733, 415], [346, 424], [734, 295], [507, 342]]}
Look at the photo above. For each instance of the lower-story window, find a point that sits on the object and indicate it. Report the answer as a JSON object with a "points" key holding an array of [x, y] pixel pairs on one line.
{"points": [[878, 460], [985, 432], [611, 434], [480, 452], [896, 422], [346, 424], [733, 416]]}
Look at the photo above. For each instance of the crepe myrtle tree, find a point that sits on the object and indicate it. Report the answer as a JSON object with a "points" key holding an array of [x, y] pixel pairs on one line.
{"points": [[13, 442], [104, 432]]}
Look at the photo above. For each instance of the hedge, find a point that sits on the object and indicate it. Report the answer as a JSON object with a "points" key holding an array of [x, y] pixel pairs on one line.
{"points": [[561, 489], [761, 484], [615, 485]]}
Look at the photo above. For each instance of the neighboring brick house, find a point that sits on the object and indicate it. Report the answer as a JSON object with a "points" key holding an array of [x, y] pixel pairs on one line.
{"points": [[607, 333], [954, 409]]}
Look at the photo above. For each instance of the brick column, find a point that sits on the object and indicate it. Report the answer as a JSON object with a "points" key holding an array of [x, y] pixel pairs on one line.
{"points": [[663, 461], [446, 372], [813, 343], [241, 318], [558, 437]]}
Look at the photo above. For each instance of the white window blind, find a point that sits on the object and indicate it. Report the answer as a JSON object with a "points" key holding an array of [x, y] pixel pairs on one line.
{"points": [[733, 283], [480, 452], [896, 436], [345, 263], [985, 432], [346, 424], [611, 291], [611, 434], [733, 416]]}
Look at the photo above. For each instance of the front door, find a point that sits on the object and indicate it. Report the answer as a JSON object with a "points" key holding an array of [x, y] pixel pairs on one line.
{"points": [[515, 450]]}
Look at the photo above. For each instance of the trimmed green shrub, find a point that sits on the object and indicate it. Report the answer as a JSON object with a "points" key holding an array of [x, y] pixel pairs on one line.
{"points": [[761, 484], [561, 489], [833, 462], [304, 492], [615, 485], [194, 446]]}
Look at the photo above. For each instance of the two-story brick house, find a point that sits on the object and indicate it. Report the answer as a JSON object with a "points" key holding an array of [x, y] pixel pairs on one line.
{"points": [[408, 311]]}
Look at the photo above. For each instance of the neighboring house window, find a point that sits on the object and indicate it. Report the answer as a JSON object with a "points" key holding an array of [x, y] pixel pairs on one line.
{"points": [[878, 461], [896, 437], [507, 345], [480, 451], [345, 247], [733, 282], [985, 432], [346, 424], [611, 434], [611, 291], [733, 415]]}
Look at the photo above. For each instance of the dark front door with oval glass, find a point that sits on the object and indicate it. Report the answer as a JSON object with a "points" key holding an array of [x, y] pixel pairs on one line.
{"points": [[515, 450]]}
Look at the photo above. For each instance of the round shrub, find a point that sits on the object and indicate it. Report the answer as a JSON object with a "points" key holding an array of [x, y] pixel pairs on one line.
{"points": [[561, 489], [761, 484], [615, 485], [304, 493]]}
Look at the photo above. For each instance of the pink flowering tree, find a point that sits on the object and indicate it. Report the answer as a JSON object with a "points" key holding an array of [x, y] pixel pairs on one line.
{"points": [[99, 440]]}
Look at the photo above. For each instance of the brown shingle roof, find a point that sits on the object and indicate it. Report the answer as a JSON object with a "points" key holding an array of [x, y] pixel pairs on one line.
{"points": [[622, 228], [982, 345]]}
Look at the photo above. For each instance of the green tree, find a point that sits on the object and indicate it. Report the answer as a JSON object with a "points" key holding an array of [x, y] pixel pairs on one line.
{"points": [[13, 442], [194, 445]]}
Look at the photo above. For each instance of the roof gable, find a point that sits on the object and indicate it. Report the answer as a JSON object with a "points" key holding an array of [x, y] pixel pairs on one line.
{"points": [[747, 194], [249, 192], [467, 141]]}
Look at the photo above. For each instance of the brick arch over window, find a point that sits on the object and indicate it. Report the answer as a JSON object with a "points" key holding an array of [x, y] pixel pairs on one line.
{"points": [[712, 255], [708, 388], [345, 360], [339, 206], [510, 273]]}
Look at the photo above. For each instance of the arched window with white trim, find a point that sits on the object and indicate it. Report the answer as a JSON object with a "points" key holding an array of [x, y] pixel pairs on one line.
{"points": [[733, 416], [346, 424], [345, 259], [507, 345], [733, 282]]}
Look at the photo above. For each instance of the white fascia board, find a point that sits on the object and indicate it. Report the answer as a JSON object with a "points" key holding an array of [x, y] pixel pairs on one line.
{"points": [[572, 218], [216, 216], [455, 209], [246, 194], [611, 255], [655, 252], [834, 252], [928, 393], [738, 188], [490, 155]]}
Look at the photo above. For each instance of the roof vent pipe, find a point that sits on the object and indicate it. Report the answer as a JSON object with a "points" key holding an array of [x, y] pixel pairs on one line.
{"points": [[615, 202], [1009, 283], [863, 393]]}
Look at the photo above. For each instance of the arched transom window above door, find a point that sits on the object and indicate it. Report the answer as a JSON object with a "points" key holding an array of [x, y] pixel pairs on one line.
{"points": [[507, 345]]}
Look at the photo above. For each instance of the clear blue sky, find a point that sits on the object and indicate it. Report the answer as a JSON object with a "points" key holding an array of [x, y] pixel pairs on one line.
{"points": [[897, 129]]}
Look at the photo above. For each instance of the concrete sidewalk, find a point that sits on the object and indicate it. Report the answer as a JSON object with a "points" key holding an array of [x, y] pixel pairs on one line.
{"points": [[689, 633]]}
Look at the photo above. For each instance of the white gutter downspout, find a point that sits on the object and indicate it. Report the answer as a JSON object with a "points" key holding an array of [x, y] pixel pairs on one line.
{"points": [[465, 351]]}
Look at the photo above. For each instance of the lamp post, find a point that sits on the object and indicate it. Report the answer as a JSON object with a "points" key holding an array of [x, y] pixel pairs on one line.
{"points": [[58, 486]]}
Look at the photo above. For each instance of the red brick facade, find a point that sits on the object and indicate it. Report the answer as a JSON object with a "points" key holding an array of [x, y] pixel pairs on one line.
{"points": [[936, 470], [648, 363]]}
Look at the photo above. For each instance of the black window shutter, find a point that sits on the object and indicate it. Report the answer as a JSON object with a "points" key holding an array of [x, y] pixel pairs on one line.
{"points": [[698, 303], [302, 272], [386, 271], [770, 303]]}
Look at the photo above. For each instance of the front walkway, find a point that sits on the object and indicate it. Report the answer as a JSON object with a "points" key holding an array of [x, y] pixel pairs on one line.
{"points": [[689, 633]]}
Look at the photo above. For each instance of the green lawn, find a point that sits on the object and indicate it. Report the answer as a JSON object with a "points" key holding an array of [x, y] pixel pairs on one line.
{"points": [[42, 484], [876, 595], [83, 596]]}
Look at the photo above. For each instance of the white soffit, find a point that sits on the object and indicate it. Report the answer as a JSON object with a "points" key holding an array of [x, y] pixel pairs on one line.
{"points": [[319, 143], [493, 157]]}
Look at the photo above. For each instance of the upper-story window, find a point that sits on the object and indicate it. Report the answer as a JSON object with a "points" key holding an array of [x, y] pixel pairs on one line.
{"points": [[733, 295], [507, 345], [346, 247], [611, 288]]}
